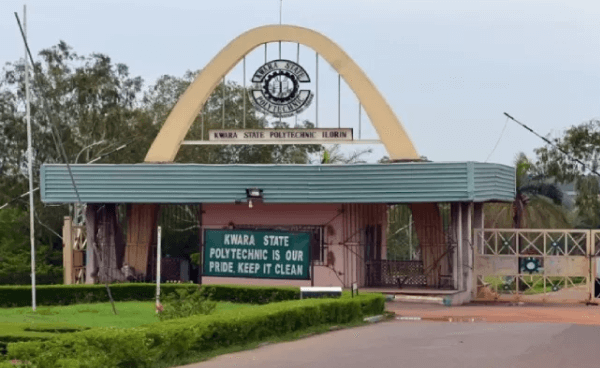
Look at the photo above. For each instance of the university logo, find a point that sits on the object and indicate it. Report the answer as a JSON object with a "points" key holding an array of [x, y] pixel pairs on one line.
{"points": [[276, 89]]}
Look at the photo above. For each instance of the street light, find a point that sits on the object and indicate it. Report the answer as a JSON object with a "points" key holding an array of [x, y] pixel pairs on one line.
{"points": [[253, 193], [86, 147]]}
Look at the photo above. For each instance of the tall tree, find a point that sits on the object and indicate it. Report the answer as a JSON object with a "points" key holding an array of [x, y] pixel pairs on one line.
{"points": [[538, 201], [87, 103], [581, 142]]}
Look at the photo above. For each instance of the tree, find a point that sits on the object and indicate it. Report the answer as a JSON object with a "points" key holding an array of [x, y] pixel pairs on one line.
{"points": [[538, 201], [77, 100], [92, 105], [15, 260], [581, 142], [334, 155]]}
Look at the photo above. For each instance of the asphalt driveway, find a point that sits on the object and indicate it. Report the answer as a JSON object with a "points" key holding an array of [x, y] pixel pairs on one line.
{"points": [[431, 344]]}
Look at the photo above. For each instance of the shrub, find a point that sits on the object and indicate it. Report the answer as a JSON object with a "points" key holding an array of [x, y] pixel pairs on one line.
{"points": [[162, 341], [250, 294], [20, 296], [182, 303]]}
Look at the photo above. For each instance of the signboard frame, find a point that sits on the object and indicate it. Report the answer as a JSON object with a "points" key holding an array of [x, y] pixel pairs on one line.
{"points": [[309, 265]]}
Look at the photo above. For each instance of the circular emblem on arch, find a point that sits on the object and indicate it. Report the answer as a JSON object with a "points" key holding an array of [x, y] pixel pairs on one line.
{"points": [[277, 89]]}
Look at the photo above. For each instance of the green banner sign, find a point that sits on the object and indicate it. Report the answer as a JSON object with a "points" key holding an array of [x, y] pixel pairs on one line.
{"points": [[257, 254]]}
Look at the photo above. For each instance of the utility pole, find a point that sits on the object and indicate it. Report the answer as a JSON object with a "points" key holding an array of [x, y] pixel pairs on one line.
{"points": [[30, 165]]}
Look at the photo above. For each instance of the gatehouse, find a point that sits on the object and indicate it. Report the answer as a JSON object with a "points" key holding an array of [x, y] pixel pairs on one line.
{"points": [[303, 225]]}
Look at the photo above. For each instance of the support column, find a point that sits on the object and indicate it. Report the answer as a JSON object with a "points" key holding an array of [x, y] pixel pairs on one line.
{"points": [[67, 250], [467, 249], [454, 237], [478, 223], [93, 256]]}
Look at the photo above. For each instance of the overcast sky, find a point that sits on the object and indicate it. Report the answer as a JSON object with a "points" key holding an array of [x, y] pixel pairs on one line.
{"points": [[449, 69]]}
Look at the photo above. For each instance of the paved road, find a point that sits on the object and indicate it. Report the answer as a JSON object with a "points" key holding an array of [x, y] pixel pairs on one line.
{"points": [[431, 344], [563, 313]]}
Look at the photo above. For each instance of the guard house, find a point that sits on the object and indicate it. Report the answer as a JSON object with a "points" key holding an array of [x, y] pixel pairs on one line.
{"points": [[405, 226]]}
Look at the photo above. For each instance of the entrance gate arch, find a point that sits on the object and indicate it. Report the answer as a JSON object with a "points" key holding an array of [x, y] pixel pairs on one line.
{"points": [[388, 127]]}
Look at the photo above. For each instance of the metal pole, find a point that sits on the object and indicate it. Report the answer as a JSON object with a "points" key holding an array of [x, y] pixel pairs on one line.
{"points": [[280, 10], [264, 113], [297, 61], [201, 239], [317, 92], [244, 94], [280, 78], [339, 100], [359, 118], [202, 122], [223, 102], [30, 167], [410, 247], [158, 261]]}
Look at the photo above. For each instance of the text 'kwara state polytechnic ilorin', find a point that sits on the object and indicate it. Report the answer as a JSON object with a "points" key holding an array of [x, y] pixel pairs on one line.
{"points": [[238, 135]]}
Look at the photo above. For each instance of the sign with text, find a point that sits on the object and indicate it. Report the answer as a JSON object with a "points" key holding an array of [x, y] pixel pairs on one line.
{"points": [[257, 254], [280, 135]]}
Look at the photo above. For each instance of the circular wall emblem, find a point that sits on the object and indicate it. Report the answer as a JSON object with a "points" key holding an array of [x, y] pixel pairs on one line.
{"points": [[276, 89]]}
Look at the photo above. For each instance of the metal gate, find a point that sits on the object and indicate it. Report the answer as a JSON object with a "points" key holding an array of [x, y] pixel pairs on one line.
{"points": [[595, 286], [551, 266]]}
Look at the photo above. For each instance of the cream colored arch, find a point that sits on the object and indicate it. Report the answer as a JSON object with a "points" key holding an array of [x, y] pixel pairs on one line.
{"points": [[388, 127]]}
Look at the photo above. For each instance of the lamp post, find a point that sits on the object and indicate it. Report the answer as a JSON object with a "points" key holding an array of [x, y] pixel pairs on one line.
{"points": [[87, 147]]}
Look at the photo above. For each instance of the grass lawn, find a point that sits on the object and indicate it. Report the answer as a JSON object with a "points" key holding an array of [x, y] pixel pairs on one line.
{"points": [[47, 321]]}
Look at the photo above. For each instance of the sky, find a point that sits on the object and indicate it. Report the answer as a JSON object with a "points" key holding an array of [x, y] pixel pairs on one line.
{"points": [[449, 69]]}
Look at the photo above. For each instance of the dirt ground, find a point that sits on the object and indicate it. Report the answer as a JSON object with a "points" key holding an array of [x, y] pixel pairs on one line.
{"points": [[550, 313]]}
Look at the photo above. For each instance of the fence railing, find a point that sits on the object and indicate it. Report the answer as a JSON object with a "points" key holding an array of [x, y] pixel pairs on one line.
{"points": [[387, 273]]}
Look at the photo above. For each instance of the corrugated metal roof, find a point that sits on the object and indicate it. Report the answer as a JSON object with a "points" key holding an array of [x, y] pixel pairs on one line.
{"points": [[362, 183]]}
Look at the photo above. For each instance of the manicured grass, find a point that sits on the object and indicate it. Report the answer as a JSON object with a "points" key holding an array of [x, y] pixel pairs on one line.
{"points": [[48, 321], [197, 338]]}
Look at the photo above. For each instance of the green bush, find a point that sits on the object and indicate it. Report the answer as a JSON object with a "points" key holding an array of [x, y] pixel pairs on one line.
{"points": [[250, 294], [182, 303], [20, 296], [161, 342], [7, 339], [55, 328]]}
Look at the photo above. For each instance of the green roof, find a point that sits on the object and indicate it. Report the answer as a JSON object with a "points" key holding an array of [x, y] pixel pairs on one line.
{"points": [[358, 183]]}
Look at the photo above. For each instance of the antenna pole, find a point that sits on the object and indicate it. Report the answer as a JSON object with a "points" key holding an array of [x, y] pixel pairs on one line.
{"points": [[29, 167]]}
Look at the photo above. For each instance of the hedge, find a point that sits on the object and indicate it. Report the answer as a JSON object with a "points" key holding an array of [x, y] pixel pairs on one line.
{"points": [[250, 294], [163, 341], [20, 296]]}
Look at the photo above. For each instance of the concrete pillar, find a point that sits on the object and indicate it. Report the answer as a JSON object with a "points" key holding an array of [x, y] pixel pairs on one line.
{"points": [[467, 250], [67, 251], [477, 223], [455, 233]]}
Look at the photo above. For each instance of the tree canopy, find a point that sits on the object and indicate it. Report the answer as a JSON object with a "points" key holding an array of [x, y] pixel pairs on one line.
{"points": [[94, 107], [580, 142]]}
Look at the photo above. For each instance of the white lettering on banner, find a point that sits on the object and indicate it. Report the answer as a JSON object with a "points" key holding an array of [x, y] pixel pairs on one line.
{"points": [[238, 254], [294, 255], [221, 267], [245, 267], [288, 269], [242, 135], [238, 239], [278, 241]]}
